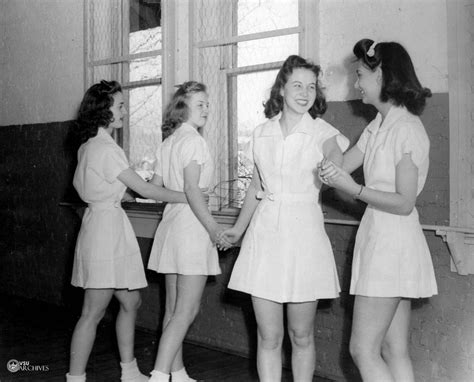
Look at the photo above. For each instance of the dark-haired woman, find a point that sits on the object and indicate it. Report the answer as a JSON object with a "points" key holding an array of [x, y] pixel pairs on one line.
{"points": [[184, 248], [286, 256], [392, 262], [107, 260]]}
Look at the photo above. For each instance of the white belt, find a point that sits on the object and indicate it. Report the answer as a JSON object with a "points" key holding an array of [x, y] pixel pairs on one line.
{"points": [[288, 196], [105, 205]]}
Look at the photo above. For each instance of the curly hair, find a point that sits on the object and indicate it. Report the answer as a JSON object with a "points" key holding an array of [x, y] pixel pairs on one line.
{"points": [[274, 105], [177, 110], [94, 111], [400, 84]]}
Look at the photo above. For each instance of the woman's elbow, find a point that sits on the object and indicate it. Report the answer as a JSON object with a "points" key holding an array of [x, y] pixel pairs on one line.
{"points": [[190, 189], [406, 208]]}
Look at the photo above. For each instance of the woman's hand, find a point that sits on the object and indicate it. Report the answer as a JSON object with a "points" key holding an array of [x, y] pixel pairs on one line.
{"points": [[205, 194], [228, 238], [215, 233], [335, 176]]}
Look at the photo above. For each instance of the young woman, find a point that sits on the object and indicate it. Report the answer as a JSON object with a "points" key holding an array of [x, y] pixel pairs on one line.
{"points": [[392, 262], [107, 260], [184, 248], [286, 256]]}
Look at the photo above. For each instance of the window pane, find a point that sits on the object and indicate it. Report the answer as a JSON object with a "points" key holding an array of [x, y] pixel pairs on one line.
{"points": [[267, 50], [145, 69], [145, 127], [252, 91], [145, 103], [146, 40], [144, 14], [265, 15]]}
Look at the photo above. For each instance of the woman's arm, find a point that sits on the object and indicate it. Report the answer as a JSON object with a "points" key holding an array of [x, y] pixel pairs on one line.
{"points": [[332, 151], [157, 180], [132, 180], [353, 159], [400, 202], [196, 201], [232, 235]]}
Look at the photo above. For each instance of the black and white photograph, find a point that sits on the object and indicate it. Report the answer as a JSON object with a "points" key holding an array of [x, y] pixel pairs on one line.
{"points": [[237, 190]]}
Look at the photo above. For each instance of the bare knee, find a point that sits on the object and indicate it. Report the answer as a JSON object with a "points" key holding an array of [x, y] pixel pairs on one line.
{"points": [[357, 350], [394, 351], [301, 338], [131, 303], [92, 315], [270, 339], [185, 315]]}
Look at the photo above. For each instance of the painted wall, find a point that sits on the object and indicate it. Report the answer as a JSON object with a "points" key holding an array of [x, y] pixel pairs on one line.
{"points": [[41, 64], [419, 25]]}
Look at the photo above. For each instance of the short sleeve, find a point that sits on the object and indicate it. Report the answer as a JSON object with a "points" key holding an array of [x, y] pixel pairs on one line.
{"points": [[194, 149], [328, 131], [158, 169], [412, 139], [114, 162]]}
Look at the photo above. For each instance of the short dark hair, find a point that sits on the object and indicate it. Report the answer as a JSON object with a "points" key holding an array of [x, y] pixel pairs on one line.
{"points": [[177, 110], [400, 84], [94, 111], [274, 104]]}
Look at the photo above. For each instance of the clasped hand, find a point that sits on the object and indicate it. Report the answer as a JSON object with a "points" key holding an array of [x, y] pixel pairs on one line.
{"points": [[227, 238], [335, 176]]}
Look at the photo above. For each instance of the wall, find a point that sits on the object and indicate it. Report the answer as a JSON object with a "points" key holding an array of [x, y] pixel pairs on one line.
{"points": [[42, 82], [41, 77], [41, 61], [419, 25]]}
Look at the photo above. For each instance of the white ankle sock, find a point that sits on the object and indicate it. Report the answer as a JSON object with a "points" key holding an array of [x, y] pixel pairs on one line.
{"points": [[181, 376], [131, 373], [158, 376], [75, 378]]}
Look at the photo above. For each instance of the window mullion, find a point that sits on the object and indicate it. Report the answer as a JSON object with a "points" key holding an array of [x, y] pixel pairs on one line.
{"points": [[248, 37]]}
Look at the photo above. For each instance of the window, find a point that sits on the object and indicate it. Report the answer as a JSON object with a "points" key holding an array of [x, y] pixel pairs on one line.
{"points": [[124, 42], [238, 47], [235, 47]]}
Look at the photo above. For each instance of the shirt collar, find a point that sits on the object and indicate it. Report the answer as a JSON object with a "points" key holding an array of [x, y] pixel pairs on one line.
{"points": [[393, 115], [186, 127], [305, 126], [104, 134]]}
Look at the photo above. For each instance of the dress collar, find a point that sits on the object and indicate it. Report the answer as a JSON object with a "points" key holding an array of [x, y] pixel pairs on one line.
{"points": [[104, 134], [394, 114], [186, 127], [305, 126]]}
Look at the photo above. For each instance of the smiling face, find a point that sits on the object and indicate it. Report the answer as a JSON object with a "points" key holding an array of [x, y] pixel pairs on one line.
{"points": [[299, 92], [118, 111], [369, 83], [198, 109]]}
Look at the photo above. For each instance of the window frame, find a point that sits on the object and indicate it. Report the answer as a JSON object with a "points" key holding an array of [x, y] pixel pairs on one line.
{"points": [[308, 36], [123, 60]]}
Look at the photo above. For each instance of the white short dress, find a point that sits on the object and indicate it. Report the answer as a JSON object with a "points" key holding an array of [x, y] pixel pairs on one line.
{"points": [[391, 256], [107, 253], [182, 245], [286, 255]]}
